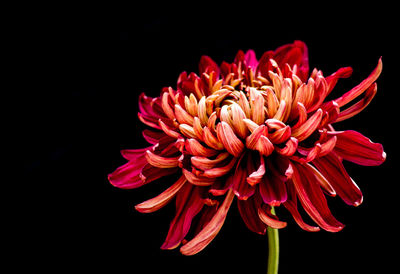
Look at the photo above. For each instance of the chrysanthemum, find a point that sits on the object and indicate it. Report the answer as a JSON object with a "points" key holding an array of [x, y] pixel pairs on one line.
{"points": [[258, 130]]}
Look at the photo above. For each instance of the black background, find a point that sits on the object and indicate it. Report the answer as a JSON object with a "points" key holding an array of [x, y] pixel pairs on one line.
{"points": [[84, 75]]}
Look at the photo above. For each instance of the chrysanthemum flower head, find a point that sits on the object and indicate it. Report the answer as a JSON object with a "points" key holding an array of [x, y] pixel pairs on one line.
{"points": [[258, 130]]}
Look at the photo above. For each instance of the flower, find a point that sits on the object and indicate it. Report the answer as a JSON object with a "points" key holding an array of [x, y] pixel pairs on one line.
{"points": [[259, 130]]}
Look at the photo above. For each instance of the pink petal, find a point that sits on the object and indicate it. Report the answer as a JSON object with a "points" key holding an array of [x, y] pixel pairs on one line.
{"points": [[208, 233], [250, 59]]}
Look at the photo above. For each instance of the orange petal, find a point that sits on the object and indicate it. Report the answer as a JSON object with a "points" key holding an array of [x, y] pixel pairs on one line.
{"points": [[205, 163], [162, 199], [195, 148], [308, 127], [182, 116], [220, 171], [161, 162], [228, 138], [211, 140]]}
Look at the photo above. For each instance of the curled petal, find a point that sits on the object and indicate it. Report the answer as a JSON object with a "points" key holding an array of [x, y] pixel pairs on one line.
{"points": [[165, 103], [211, 140], [308, 127], [169, 131], [256, 176], [187, 130], [220, 171], [208, 233], [280, 135], [228, 138], [237, 120], [160, 161], [195, 148], [254, 137], [197, 180], [162, 199], [240, 187], [182, 116], [290, 147], [266, 216], [205, 163]]}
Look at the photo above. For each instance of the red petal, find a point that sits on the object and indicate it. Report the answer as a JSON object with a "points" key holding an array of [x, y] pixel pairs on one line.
{"points": [[313, 199], [360, 88], [291, 205], [249, 211], [355, 147], [208, 233], [333, 170], [241, 188], [359, 106], [207, 65], [332, 79], [189, 204]]}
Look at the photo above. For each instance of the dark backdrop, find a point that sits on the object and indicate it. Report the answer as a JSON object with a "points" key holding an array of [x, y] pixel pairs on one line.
{"points": [[82, 108]]}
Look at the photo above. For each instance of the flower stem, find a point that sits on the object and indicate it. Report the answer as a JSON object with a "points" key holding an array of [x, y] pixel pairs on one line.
{"points": [[273, 249]]}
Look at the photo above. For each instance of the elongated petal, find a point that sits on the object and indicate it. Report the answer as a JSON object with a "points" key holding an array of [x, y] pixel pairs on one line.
{"points": [[205, 163], [220, 171], [333, 170], [360, 88], [228, 138], [249, 212], [127, 175], [321, 180], [291, 206], [359, 106], [162, 199], [160, 161], [208, 233], [355, 147], [197, 180], [195, 148], [313, 200], [182, 116], [190, 206], [211, 140], [308, 127], [241, 188]]}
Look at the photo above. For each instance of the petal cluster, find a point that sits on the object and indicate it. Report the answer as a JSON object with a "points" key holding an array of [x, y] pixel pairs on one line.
{"points": [[260, 130]]}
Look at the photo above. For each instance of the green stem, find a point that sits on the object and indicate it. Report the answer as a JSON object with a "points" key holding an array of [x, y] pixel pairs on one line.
{"points": [[273, 249]]}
